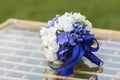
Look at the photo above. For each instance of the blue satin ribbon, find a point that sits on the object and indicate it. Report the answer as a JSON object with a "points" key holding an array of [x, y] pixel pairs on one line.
{"points": [[93, 58], [77, 54], [80, 49]]}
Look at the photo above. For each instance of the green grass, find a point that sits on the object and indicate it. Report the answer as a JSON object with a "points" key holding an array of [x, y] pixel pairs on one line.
{"points": [[102, 13]]}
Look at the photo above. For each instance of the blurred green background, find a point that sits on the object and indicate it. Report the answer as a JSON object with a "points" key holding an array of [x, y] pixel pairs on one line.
{"points": [[102, 13]]}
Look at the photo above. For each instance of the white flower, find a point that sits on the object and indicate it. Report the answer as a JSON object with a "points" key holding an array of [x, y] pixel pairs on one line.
{"points": [[50, 50], [67, 14], [68, 27], [66, 18], [49, 44], [78, 17], [65, 22], [49, 54], [43, 31], [58, 26], [88, 25]]}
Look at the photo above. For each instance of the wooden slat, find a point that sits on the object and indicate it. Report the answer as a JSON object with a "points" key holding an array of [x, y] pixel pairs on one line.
{"points": [[33, 25], [106, 34], [3, 25]]}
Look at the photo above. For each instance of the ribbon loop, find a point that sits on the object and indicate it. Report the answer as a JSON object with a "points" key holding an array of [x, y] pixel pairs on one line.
{"points": [[89, 43]]}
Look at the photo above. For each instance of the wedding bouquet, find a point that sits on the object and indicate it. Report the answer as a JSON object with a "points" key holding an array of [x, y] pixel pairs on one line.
{"points": [[66, 40]]}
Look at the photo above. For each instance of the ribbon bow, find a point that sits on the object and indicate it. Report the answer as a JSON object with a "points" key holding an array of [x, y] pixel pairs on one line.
{"points": [[80, 43]]}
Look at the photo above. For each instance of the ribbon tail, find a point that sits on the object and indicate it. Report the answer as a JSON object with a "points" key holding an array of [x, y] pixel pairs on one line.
{"points": [[74, 56], [78, 53], [75, 53], [93, 58], [57, 69]]}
